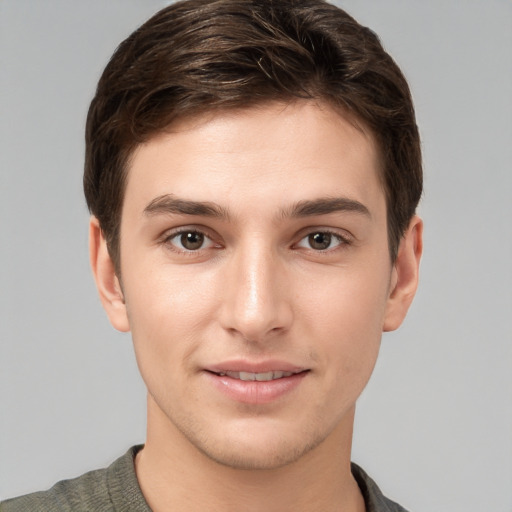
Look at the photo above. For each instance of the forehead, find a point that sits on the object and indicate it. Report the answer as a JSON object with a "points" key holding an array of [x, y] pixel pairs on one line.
{"points": [[305, 148]]}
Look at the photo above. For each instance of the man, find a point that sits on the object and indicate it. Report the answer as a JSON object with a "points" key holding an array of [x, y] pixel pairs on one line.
{"points": [[252, 170]]}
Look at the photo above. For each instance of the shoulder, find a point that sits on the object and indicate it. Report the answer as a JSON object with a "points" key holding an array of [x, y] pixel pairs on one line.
{"points": [[374, 499], [102, 490], [87, 492]]}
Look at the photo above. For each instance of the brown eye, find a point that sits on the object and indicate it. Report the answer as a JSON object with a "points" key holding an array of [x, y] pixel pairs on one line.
{"points": [[188, 241], [320, 241], [192, 240]]}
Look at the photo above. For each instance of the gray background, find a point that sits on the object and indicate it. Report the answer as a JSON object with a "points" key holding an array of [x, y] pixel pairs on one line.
{"points": [[434, 426]]}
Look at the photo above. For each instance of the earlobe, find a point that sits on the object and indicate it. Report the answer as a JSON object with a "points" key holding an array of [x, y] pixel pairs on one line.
{"points": [[107, 282], [404, 280]]}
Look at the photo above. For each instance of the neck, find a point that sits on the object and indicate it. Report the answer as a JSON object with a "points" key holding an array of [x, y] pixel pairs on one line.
{"points": [[174, 474]]}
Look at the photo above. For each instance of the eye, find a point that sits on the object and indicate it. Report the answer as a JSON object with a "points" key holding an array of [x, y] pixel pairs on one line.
{"points": [[189, 241], [321, 241]]}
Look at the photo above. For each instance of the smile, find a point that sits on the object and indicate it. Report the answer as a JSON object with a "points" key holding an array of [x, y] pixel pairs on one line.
{"points": [[261, 377], [256, 387]]}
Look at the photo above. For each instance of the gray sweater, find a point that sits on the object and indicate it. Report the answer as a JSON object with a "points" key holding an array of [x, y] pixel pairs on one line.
{"points": [[115, 489]]}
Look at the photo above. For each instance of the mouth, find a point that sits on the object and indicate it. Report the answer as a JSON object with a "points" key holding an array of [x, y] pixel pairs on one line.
{"points": [[260, 377], [259, 386]]}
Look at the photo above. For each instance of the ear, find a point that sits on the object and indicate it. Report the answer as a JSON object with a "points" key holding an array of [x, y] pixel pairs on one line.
{"points": [[404, 279], [109, 287]]}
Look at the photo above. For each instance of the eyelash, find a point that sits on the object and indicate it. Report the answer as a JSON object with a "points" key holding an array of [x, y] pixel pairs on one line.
{"points": [[167, 240], [343, 240]]}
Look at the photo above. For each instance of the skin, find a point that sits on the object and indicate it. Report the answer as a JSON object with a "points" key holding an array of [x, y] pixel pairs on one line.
{"points": [[259, 279]]}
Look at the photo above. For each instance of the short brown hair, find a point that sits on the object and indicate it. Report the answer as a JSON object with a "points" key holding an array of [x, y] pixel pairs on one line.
{"points": [[200, 55]]}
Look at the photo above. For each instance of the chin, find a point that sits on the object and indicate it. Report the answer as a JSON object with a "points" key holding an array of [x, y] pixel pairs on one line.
{"points": [[265, 449], [240, 457]]}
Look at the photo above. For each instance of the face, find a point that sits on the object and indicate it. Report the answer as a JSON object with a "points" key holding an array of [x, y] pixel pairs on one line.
{"points": [[256, 279]]}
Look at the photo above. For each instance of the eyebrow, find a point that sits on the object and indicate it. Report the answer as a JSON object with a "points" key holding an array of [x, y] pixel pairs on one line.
{"points": [[326, 205], [169, 204]]}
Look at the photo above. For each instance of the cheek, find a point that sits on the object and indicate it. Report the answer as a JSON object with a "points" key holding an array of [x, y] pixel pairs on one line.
{"points": [[349, 355], [346, 319], [166, 311], [160, 294], [347, 300]]}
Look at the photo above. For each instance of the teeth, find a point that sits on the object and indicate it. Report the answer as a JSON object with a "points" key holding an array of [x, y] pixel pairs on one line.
{"points": [[265, 376]]}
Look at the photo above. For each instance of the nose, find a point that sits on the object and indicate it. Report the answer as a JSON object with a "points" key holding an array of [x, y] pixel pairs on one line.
{"points": [[256, 295]]}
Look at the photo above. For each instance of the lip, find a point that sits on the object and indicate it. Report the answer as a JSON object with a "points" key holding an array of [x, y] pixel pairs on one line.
{"points": [[241, 365], [255, 392]]}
